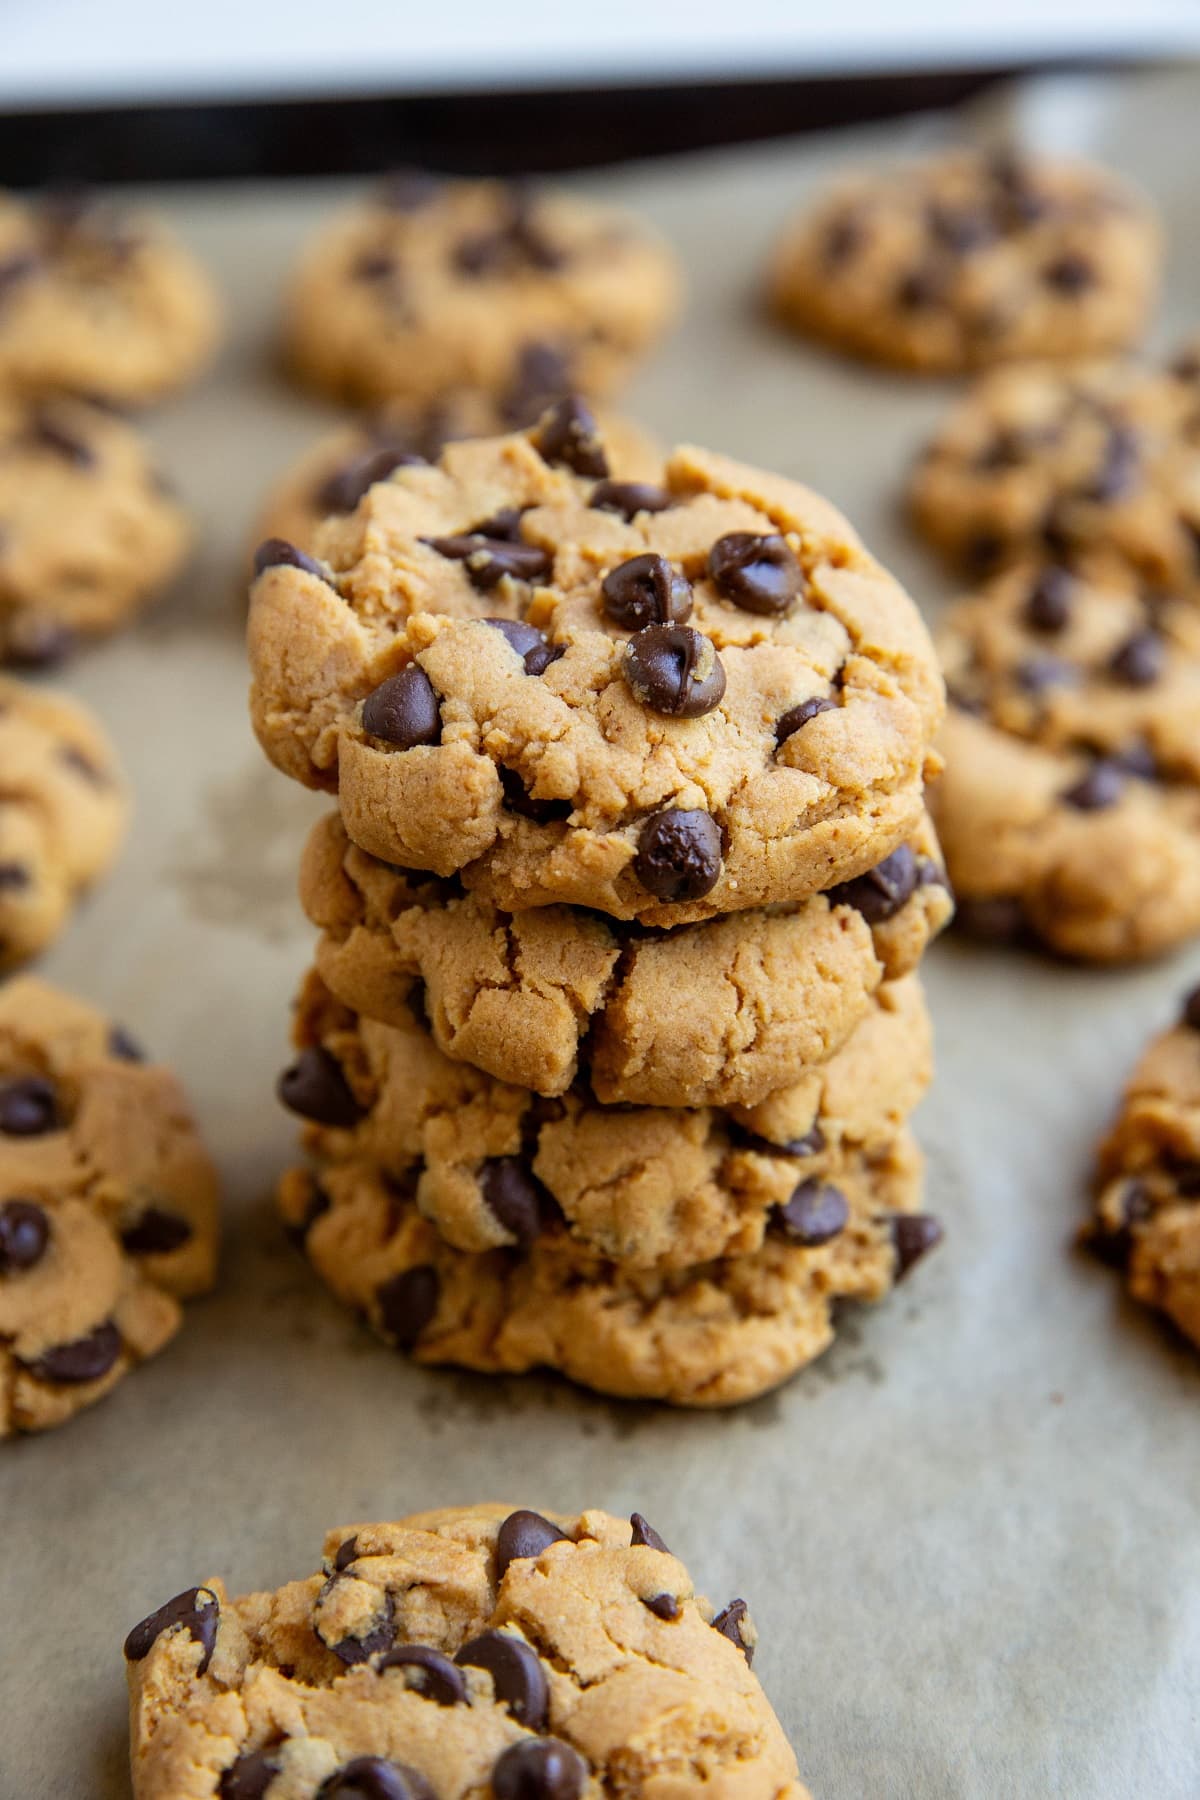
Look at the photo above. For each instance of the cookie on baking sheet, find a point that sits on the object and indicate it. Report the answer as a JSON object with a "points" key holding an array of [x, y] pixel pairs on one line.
{"points": [[96, 299], [495, 1165], [664, 702], [63, 810], [1043, 462], [1070, 804], [431, 286], [88, 530], [108, 1206], [1147, 1188], [971, 258], [475, 1650], [723, 1012]]}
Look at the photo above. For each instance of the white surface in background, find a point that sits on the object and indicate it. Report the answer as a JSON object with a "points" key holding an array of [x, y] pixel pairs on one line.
{"points": [[82, 51]]}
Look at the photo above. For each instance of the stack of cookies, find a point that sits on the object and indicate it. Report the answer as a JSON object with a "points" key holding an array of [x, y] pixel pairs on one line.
{"points": [[614, 1031]]}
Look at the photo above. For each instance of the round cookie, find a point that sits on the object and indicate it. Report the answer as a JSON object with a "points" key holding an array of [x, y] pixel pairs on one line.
{"points": [[470, 1651], [1070, 805], [494, 1165], [63, 812], [108, 1206], [971, 258], [432, 286], [88, 530], [100, 301], [719, 1013], [1147, 1187], [1036, 462], [701, 697]]}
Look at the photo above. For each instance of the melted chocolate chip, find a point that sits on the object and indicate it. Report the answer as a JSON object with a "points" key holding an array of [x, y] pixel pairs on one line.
{"points": [[732, 1622], [797, 716], [629, 498], [1048, 607], [156, 1233], [404, 710], [539, 1769], [197, 1610], [24, 1235], [517, 1675], [646, 590], [531, 645], [674, 670], [123, 1046], [524, 1534], [435, 1675], [1099, 789], [882, 891], [761, 574], [490, 560], [913, 1235], [249, 1777], [519, 800], [408, 1303], [645, 1535], [84, 1359], [679, 854], [315, 1087], [375, 1778], [1069, 273], [276, 553], [341, 491], [663, 1606], [517, 1199], [28, 1107], [1140, 660], [570, 435], [815, 1213]]}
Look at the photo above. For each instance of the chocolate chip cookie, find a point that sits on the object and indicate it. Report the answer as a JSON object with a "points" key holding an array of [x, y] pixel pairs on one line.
{"points": [[723, 1012], [89, 532], [107, 1206], [1147, 1190], [664, 702], [971, 258], [1070, 805], [431, 286], [495, 1165], [475, 1650], [98, 300], [63, 809]]}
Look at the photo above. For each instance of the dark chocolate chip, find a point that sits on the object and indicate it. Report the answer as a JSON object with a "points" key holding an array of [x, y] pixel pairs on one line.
{"points": [[629, 498], [156, 1233], [39, 646], [663, 1606], [1037, 673], [882, 891], [354, 1650], [761, 574], [1140, 660], [796, 716], [318, 1204], [24, 1235], [375, 1778], [808, 1145], [407, 190], [913, 1235], [732, 1622], [490, 560], [517, 1199], [674, 670], [436, 1676], [1048, 607], [1113, 1245], [404, 710], [815, 1213], [276, 553], [843, 239], [1119, 467], [543, 376], [518, 799], [645, 1535], [1069, 273], [539, 1769], [646, 590], [28, 1107], [517, 1675], [679, 854], [1099, 789], [1191, 1010], [1138, 760], [13, 877], [983, 550], [530, 644], [374, 265], [123, 1046], [569, 435], [84, 1359], [47, 434], [196, 1609], [524, 1534], [315, 1087], [961, 229], [347, 1552], [919, 289], [249, 1777], [341, 491], [408, 1303], [996, 919]]}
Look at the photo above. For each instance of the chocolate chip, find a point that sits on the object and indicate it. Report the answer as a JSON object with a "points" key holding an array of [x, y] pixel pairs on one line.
{"points": [[1140, 660], [249, 1777], [843, 239], [663, 1606], [74, 759], [1191, 1010], [646, 590], [815, 1213], [517, 1675], [1069, 273], [1119, 467], [123, 1046], [539, 1769], [1099, 789], [408, 1303], [404, 710], [318, 1204], [39, 646], [1037, 673], [374, 1778], [519, 800], [407, 190], [13, 877], [761, 574], [629, 498], [437, 1678], [679, 854], [24, 1235], [732, 1622], [156, 1233], [997, 918], [913, 1235], [347, 1552], [489, 560], [674, 670], [516, 1198], [882, 891], [315, 1087], [796, 716], [801, 1147], [84, 1359], [645, 1535], [341, 491], [1048, 607], [1113, 1245], [919, 289], [524, 1534], [983, 550], [1138, 760], [531, 645], [28, 1107], [375, 265], [960, 229], [274, 553], [47, 434], [354, 1650], [196, 1609], [570, 435]]}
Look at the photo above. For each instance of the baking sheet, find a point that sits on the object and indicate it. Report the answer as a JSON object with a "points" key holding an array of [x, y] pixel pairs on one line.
{"points": [[969, 1533]]}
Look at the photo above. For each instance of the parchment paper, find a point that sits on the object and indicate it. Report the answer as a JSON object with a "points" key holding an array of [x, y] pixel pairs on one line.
{"points": [[969, 1533]]}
